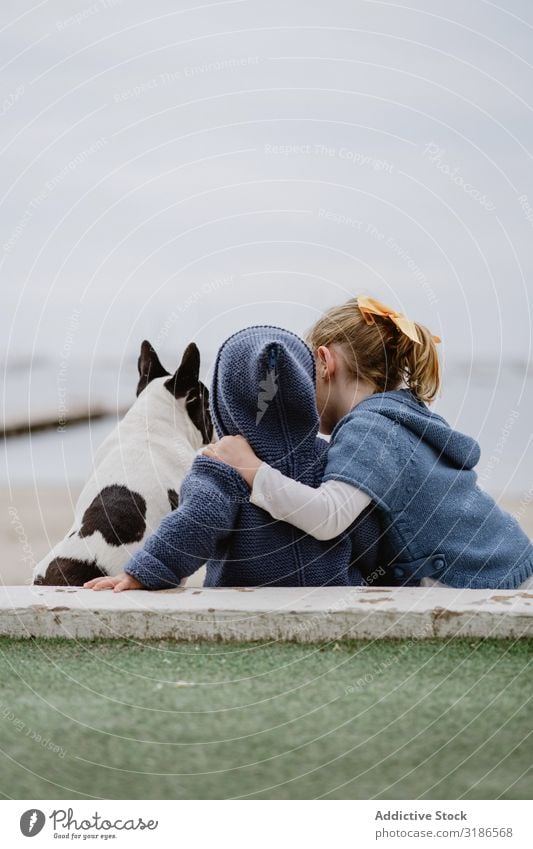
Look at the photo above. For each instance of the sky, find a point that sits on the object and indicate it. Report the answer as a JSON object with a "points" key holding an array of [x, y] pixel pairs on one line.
{"points": [[175, 171]]}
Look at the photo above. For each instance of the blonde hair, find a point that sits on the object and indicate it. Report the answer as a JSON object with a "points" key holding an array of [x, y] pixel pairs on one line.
{"points": [[379, 353]]}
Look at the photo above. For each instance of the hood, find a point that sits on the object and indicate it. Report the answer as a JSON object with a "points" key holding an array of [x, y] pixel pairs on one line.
{"points": [[403, 407], [264, 389]]}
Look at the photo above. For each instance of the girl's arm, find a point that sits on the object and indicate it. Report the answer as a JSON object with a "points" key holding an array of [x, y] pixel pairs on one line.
{"points": [[324, 513]]}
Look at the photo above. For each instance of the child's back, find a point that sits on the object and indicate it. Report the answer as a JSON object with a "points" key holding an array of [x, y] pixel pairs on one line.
{"points": [[437, 522]]}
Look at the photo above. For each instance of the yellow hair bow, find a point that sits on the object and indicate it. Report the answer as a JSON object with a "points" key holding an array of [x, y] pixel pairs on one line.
{"points": [[370, 307]]}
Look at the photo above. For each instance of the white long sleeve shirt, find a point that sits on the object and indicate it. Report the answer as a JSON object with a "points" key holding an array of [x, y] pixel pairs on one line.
{"points": [[324, 513]]}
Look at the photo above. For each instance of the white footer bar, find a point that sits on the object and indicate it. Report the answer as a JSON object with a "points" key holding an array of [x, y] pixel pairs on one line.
{"points": [[267, 824]]}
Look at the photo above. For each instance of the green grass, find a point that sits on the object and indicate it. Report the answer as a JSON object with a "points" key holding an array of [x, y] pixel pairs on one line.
{"points": [[426, 719]]}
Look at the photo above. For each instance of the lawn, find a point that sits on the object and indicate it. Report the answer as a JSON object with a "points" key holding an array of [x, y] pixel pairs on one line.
{"points": [[119, 719]]}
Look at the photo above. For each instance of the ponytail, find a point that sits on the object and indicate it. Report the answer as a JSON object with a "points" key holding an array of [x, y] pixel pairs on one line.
{"points": [[419, 364]]}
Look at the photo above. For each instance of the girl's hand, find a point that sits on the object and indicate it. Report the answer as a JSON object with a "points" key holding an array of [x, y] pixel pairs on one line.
{"points": [[235, 451], [117, 584]]}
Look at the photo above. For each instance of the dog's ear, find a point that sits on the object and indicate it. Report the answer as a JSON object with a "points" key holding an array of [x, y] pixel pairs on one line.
{"points": [[188, 373], [149, 366]]}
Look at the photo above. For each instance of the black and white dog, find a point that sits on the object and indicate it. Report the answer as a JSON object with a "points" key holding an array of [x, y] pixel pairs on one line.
{"points": [[138, 471]]}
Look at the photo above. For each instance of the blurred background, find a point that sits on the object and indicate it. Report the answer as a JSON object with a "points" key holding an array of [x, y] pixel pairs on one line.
{"points": [[178, 171]]}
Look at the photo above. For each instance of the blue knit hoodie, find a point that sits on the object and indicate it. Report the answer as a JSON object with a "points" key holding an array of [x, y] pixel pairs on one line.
{"points": [[420, 473], [263, 388]]}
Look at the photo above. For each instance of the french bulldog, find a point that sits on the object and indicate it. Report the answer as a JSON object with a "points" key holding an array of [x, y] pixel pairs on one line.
{"points": [[138, 471]]}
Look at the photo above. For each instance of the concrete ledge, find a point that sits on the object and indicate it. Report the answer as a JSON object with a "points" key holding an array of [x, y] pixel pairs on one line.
{"points": [[293, 614]]}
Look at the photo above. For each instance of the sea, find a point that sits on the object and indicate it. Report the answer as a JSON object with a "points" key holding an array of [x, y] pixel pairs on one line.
{"points": [[491, 401]]}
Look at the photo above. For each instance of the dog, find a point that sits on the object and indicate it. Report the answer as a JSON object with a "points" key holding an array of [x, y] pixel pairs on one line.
{"points": [[138, 471]]}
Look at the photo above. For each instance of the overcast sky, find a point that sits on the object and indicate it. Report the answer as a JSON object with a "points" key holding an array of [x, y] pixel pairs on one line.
{"points": [[178, 173]]}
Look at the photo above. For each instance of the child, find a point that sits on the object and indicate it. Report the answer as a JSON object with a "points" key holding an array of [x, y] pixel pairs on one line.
{"points": [[388, 449], [263, 387]]}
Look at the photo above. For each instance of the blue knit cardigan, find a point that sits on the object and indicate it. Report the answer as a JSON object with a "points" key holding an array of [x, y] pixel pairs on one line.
{"points": [[263, 388], [420, 474]]}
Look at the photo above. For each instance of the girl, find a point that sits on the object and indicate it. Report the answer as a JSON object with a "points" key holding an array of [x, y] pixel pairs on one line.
{"points": [[263, 387], [376, 371]]}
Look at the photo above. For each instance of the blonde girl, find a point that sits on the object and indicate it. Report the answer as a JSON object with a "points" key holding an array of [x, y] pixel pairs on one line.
{"points": [[376, 374]]}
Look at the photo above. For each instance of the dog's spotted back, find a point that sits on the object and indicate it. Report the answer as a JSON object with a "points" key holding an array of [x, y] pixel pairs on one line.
{"points": [[137, 475]]}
